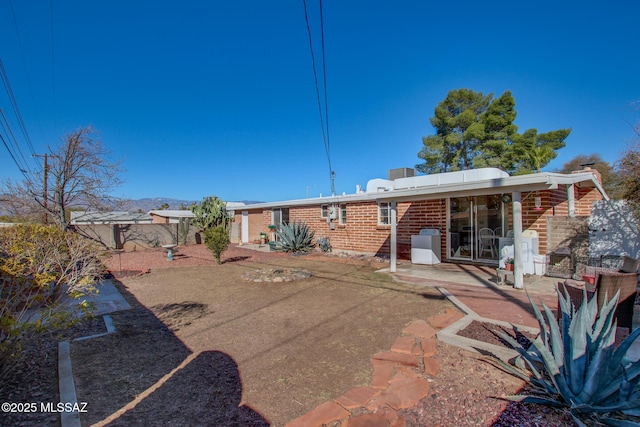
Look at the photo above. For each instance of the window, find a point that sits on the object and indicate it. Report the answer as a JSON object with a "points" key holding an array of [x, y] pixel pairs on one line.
{"points": [[384, 213], [280, 216], [343, 214], [324, 211]]}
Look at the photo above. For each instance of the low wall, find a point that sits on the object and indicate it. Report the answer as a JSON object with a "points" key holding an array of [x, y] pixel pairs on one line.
{"points": [[137, 236]]}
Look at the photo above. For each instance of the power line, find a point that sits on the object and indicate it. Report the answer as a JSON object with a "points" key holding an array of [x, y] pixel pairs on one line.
{"points": [[324, 78], [14, 105], [324, 127], [53, 69], [24, 64], [16, 152]]}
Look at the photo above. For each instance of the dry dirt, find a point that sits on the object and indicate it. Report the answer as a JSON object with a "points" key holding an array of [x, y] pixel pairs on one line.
{"points": [[203, 346]]}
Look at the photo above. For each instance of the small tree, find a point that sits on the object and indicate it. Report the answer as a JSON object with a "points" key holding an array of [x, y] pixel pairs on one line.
{"points": [[77, 174], [217, 240], [629, 169], [211, 217]]}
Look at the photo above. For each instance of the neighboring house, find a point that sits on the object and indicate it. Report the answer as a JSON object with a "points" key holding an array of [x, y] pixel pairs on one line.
{"points": [[458, 204], [174, 217], [170, 216]]}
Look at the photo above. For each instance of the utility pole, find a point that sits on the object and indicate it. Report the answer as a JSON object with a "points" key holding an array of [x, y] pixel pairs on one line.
{"points": [[45, 188], [333, 183]]}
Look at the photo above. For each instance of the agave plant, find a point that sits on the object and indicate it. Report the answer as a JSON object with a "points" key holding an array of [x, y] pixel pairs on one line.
{"points": [[575, 365], [324, 243], [295, 237]]}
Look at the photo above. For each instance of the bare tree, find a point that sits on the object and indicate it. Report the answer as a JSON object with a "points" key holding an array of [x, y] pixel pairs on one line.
{"points": [[79, 175], [629, 166]]}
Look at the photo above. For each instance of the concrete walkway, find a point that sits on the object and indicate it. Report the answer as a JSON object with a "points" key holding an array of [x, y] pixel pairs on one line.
{"points": [[476, 286], [106, 300]]}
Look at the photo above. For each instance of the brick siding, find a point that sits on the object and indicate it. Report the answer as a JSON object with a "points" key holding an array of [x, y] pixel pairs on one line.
{"points": [[362, 233]]}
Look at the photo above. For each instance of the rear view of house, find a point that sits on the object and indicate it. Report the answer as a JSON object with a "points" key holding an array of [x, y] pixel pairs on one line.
{"points": [[470, 211]]}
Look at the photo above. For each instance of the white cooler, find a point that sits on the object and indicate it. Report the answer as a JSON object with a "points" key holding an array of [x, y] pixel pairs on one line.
{"points": [[425, 247]]}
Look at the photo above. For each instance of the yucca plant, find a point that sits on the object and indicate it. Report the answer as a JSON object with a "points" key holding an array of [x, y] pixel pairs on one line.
{"points": [[574, 365], [295, 237]]}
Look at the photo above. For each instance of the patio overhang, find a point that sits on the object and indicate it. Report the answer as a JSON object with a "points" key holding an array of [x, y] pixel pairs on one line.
{"points": [[510, 184], [514, 185]]}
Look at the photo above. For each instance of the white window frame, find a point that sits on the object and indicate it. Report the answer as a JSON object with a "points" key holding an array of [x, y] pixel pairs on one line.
{"points": [[342, 213], [381, 217], [273, 216], [324, 211]]}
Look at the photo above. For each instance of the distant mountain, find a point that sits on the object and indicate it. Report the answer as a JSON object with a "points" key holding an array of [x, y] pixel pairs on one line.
{"points": [[148, 204], [144, 205]]}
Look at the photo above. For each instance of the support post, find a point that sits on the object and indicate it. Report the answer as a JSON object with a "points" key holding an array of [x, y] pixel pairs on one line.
{"points": [[518, 276], [394, 236], [571, 200]]}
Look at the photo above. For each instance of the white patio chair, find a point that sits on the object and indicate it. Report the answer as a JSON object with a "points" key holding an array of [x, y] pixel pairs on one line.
{"points": [[486, 239]]}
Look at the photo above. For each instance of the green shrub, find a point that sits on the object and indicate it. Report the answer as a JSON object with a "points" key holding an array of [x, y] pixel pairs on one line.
{"points": [[295, 237], [576, 366], [217, 240], [38, 265]]}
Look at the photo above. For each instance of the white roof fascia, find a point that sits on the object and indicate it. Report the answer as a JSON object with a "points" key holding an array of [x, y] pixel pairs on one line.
{"points": [[172, 213], [577, 178], [531, 182]]}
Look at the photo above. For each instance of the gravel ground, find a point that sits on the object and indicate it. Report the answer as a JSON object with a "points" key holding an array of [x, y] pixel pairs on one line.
{"points": [[464, 393]]}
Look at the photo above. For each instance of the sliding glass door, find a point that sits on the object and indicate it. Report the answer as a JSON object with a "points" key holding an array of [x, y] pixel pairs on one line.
{"points": [[475, 225]]}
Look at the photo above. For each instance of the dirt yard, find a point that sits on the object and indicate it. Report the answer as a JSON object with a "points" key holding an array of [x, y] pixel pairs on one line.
{"points": [[294, 344], [205, 346]]}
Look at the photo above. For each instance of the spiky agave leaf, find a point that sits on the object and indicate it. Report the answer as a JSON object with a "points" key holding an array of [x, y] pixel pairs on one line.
{"points": [[615, 371], [618, 423], [555, 351], [537, 378], [295, 237], [527, 398], [586, 373], [602, 349]]}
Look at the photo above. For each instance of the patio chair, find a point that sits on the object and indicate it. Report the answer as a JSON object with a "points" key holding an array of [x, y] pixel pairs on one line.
{"points": [[486, 241], [606, 285]]}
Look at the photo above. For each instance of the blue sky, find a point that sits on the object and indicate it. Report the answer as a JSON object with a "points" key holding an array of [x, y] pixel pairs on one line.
{"points": [[218, 98]]}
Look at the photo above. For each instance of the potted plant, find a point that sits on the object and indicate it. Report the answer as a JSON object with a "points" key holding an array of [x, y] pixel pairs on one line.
{"points": [[508, 264]]}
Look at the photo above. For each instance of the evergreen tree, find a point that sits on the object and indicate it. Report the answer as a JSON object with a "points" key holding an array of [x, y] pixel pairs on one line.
{"points": [[474, 131]]}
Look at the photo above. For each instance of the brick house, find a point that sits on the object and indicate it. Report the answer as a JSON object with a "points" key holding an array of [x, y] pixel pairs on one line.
{"points": [[458, 204]]}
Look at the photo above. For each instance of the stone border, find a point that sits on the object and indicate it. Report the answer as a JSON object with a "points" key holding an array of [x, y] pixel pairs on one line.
{"points": [[66, 384], [276, 275], [401, 378], [450, 333]]}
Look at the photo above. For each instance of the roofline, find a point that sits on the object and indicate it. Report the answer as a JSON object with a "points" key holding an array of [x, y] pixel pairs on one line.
{"points": [[530, 182]]}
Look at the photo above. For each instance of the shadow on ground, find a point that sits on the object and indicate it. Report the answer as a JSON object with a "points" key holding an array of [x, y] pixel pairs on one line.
{"points": [[144, 375], [207, 391]]}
